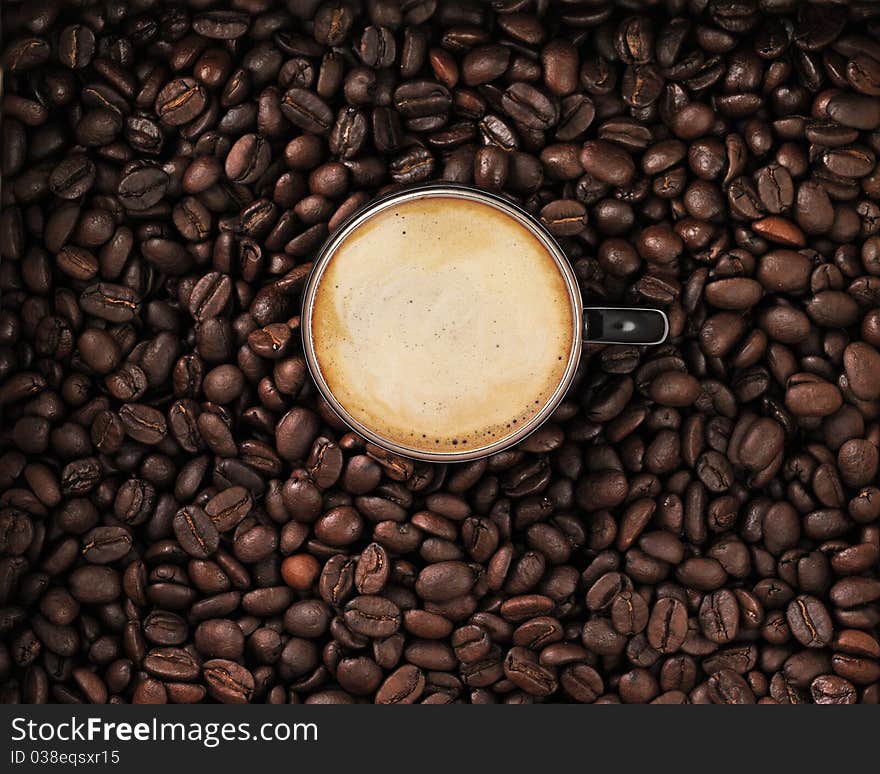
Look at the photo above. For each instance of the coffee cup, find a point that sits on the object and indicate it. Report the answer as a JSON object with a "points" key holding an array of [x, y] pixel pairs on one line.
{"points": [[445, 323]]}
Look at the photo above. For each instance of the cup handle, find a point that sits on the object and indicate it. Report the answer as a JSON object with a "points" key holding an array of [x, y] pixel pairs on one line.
{"points": [[617, 325]]}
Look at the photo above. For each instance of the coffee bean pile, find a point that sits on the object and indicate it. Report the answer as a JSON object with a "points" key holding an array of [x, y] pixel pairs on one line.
{"points": [[182, 518]]}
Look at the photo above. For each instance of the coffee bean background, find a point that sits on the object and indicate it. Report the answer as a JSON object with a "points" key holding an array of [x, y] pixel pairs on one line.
{"points": [[182, 519]]}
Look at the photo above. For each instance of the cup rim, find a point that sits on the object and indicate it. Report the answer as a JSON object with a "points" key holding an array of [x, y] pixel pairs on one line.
{"points": [[441, 190]]}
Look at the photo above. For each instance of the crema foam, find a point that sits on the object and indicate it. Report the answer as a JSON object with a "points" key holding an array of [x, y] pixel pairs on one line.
{"points": [[442, 324]]}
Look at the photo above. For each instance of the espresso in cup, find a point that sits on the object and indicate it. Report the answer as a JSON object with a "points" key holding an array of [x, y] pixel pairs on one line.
{"points": [[445, 323]]}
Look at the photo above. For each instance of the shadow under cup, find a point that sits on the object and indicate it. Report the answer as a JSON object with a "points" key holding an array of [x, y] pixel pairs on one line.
{"points": [[445, 324]]}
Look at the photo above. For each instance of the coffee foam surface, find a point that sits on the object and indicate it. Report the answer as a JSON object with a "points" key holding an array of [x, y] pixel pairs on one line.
{"points": [[442, 324]]}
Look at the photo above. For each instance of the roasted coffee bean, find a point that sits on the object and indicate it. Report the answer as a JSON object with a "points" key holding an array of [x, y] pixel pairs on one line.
{"points": [[860, 361], [248, 159], [27, 53], [172, 663], [165, 628], [412, 166], [227, 509], [180, 101], [728, 687], [219, 638], [209, 296], [94, 585], [719, 616], [350, 132], [228, 682], [444, 581], [373, 570], [221, 25], [114, 303], [196, 532], [372, 616], [306, 110], [420, 99], [295, 432], [564, 217], [581, 682], [522, 668], [143, 423], [831, 689], [72, 177], [300, 571], [484, 64], [607, 162], [403, 686], [809, 621], [529, 106], [667, 625], [142, 186], [378, 47], [104, 545]]}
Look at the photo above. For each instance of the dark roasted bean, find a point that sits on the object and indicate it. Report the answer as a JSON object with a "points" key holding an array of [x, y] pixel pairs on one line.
{"points": [[228, 682], [196, 532]]}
